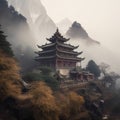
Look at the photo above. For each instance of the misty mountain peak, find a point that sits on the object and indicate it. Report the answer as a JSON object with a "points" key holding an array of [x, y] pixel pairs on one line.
{"points": [[31, 9], [76, 31], [76, 24], [40, 23]]}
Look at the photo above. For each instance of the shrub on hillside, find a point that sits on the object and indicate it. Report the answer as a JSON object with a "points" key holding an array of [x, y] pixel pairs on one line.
{"points": [[10, 84], [44, 105], [69, 104], [51, 82], [76, 102], [45, 70], [48, 79], [32, 77]]}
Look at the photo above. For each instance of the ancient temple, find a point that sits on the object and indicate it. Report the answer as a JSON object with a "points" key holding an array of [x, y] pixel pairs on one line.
{"points": [[60, 56], [57, 54]]}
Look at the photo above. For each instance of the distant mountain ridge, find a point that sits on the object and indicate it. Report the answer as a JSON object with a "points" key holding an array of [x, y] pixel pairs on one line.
{"points": [[76, 31], [34, 11], [14, 24], [18, 33]]}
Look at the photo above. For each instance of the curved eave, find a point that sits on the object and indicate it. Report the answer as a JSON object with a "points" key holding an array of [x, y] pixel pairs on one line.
{"points": [[59, 44], [59, 38], [68, 46], [76, 59], [76, 47], [44, 52], [51, 51], [46, 45], [79, 53], [61, 57], [82, 59], [72, 53], [43, 58]]}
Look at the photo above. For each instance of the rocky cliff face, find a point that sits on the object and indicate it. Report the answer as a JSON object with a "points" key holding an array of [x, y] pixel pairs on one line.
{"points": [[40, 23], [76, 31], [15, 26], [18, 34]]}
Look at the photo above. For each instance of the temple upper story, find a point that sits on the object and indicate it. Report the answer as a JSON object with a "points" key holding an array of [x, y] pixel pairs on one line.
{"points": [[57, 54]]}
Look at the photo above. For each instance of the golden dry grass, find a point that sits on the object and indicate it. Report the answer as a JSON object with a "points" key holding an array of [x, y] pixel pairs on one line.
{"points": [[9, 77], [69, 104], [43, 101], [45, 105], [76, 101]]}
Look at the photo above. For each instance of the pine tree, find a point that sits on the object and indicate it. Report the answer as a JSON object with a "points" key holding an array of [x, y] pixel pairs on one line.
{"points": [[5, 46], [93, 68]]}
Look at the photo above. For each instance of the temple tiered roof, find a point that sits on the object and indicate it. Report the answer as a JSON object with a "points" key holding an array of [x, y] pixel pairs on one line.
{"points": [[57, 50], [58, 53], [57, 36], [58, 44]]}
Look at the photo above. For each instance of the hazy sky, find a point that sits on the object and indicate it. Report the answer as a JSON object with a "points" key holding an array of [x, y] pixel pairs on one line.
{"points": [[100, 18]]}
